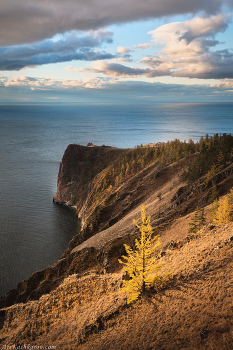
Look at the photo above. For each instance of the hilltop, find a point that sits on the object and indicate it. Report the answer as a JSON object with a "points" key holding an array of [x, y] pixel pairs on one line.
{"points": [[77, 302]]}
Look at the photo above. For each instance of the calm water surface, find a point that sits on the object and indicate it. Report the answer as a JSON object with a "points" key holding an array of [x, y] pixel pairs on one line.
{"points": [[34, 232]]}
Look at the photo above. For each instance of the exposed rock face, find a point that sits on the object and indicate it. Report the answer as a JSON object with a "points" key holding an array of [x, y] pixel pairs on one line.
{"points": [[80, 164]]}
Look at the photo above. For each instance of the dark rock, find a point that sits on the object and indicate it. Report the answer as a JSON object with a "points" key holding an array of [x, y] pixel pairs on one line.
{"points": [[204, 333], [179, 192], [162, 254], [171, 245], [2, 318]]}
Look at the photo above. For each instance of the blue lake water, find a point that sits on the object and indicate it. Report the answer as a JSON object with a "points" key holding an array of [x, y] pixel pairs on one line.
{"points": [[34, 232]]}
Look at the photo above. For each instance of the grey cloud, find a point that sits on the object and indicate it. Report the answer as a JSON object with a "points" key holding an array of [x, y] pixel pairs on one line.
{"points": [[70, 47], [128, 57], [116, 69], [70, 42], [210, 42], [153, 61], [213, 65], [25, 21], [225, 52], [52, 58], [213, 25], [209, 65]]}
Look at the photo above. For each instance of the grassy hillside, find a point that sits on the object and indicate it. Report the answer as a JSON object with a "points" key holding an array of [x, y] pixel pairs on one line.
{"points": [[192, 310]]}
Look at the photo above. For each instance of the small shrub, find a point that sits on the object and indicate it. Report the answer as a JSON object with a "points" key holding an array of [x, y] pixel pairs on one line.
{"points": [[73, 199]]}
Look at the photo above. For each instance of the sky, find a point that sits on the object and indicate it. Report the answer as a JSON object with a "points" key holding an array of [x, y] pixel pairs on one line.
{"points": [[116, 51]]}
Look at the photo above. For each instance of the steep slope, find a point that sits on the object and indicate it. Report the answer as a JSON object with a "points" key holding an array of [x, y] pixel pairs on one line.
{"points": [[192, 310]]}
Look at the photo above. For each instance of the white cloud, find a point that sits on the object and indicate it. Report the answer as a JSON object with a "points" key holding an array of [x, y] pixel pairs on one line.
{"points": [[143, 46], [119, 59], [185, 39], [122, 50], [224, 84], [186, 49], [51, 84]]}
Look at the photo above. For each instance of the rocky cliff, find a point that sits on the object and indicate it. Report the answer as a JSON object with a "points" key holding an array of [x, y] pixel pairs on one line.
{"points": [[107, 202], [108, 186], [79, 166]]}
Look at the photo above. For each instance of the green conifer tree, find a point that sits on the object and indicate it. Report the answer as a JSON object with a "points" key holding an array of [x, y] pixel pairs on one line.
{"points": [[213, 194], [141, 264], [197, 221]]}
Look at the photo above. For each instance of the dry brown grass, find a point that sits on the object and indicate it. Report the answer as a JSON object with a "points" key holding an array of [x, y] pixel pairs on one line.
{"points": [[192, 310], [65, 315]]}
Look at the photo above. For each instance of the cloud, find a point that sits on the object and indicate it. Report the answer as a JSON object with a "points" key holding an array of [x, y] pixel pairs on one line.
{"points": [[109, 90], [143, 46], [188, 38], [225, 84], [111, 70], [120, 59], [53, 84], [186, 49], [204, 27], [122, 50], [185, 52], [18, 81], [27, 21], [69, 47]]}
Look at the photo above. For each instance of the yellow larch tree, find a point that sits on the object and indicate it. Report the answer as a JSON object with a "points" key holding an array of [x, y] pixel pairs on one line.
{"points": [[222, 214], [141, 264]]}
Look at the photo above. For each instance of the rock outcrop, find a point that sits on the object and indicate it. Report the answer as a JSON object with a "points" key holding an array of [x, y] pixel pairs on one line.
{"points": [[79, 166]]}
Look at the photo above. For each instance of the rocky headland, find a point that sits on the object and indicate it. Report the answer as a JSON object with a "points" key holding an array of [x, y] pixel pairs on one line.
{"points": [[107, 186]]}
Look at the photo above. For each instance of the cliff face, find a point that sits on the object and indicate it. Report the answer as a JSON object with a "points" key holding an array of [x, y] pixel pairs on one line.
{"points": [[79, 166]]}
